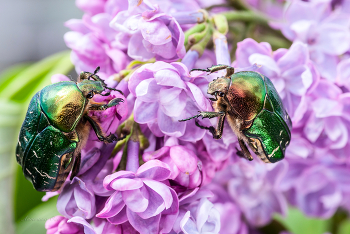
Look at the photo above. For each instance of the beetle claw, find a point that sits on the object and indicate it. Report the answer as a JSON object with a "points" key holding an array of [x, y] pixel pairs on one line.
{"points": [[110, 138]]}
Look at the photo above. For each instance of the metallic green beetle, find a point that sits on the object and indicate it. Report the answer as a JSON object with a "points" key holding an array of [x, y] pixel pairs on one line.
{"points": [[55, 129], [254, 111]]}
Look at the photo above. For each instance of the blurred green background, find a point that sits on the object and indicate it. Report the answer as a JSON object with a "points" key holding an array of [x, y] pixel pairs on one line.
{"points": [[31, 30]]}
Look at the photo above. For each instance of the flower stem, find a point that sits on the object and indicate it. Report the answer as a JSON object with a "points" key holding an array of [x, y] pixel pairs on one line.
{"points": [[190, 59], [245, 16], [221, 49]]}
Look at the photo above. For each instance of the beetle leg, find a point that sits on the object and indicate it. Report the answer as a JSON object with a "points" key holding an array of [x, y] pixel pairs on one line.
{"points": [[76, 166], [215, 68], [99, 133], [217, 132], [245, 152], [205, 114], [111, 103]]}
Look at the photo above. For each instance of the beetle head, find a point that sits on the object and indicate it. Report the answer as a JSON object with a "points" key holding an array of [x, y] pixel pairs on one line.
{"points": [[91, 84], [219, 87], [90, 87]]}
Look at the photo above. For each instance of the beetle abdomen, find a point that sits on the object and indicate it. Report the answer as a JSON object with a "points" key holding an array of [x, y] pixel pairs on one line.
{"points": [[29, 128], [277, 102], [63, 103], [269, 129], [246, 94], [45, 157]]}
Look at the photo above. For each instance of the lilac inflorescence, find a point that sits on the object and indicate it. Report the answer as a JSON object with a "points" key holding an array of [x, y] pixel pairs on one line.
{"points": [[182, 180]]}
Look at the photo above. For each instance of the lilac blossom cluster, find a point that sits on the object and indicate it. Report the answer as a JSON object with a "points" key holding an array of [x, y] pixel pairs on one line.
{"points": [[184, 181]]}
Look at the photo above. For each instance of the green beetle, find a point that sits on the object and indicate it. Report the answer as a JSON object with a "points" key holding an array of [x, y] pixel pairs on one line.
{"points": [[254, 111], [55, 129]]}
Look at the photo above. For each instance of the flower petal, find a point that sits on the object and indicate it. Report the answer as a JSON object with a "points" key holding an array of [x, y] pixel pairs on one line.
{"points": [[154, 170], [113, 206], [144, 226], [137, 200]]}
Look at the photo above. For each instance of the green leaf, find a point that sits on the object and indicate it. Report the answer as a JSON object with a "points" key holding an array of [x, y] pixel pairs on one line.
{"points": [[7, 75], [344, 227], [297, 223], [25, 196], [20, 86], [33, 222]]}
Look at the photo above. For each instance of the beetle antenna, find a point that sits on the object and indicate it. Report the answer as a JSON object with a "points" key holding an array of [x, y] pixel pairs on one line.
{"points": [[97, 70], [115, 90]]}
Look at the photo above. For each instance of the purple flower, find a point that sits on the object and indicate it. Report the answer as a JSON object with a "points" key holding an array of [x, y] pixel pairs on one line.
{"points": [[325, 32], [328, 123], [61, 225], [77, 199], [317, 189], [197, 214], [93, 43], [139, 197], [291, 71], [151, 32], [254, 186], [166, 93], [183, 163]]}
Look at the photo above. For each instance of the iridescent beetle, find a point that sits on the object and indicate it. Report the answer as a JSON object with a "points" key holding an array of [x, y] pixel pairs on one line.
{"points": [[254, 111], [55, 129]]}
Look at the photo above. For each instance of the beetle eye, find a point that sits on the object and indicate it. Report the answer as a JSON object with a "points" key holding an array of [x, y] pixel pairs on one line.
{"points": [[221, 94], [90, 95]]}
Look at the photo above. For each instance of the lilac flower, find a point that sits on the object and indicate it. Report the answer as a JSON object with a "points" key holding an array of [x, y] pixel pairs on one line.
{"points": [[343, 73], [93, 41], [317, 189], [75, 225], [197, 215], [151, 32], [254, 186], [139, 197], [77, 199], [325, 32], [291, 71], [165, 93], [272, 9], [328, 123], [183, 163]]}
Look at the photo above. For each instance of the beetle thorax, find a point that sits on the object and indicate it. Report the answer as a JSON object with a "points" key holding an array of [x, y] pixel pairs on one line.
{"points": [[219, 85]]}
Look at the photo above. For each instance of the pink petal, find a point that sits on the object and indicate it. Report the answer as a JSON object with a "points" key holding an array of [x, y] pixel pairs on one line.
{"points": [[169, 77], [173, 101], [148, 90], [170, 126], [145, 112], [185, 159], [113, 206], [155, 170], [120, 174], [136, 200], [136, 50], [162, 190], [123, 184], [120, 218], [144, 226], [155, 31], [88, 229], [199, 97], [147, 156], [298, 54], [155, 206], [313, 128]]}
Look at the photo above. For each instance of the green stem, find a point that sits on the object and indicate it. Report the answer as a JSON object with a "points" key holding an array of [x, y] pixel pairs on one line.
{"points": [[197, 28], [245, 16]]}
